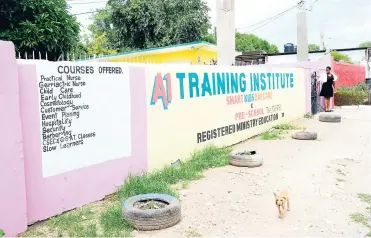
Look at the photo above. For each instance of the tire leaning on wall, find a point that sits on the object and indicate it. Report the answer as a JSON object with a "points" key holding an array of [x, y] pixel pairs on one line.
{"points": [[304, 135], [249, 159], [329, 117], [152, 219]]}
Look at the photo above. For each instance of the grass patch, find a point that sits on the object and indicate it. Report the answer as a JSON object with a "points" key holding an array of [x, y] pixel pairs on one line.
{"points": [[160, 182], [277, 131], [193, 233], [74, 224], [270, 135], [365, 198], [361, 218], [308, 115], [184, 184], [287, 127], [104, 218], [113, 223]]}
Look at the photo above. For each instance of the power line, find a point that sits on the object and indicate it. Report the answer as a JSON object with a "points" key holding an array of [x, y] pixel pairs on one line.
{"points": [[83, 13], [311, 6], [271, 18], [256, 28], [81, 3]]}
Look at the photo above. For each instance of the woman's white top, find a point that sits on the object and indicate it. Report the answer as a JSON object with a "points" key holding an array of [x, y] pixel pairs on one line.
{"points": [[323, 77]]}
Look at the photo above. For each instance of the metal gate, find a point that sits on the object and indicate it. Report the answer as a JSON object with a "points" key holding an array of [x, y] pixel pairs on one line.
{"points": [[314, 93]]}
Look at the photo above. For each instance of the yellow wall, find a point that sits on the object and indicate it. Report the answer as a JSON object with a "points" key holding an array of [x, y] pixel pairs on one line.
{"points": [[173, 133], [171, 57]]}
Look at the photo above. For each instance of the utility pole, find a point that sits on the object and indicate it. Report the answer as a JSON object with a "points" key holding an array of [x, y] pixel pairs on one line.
{"points": [[302, 32], [322, 43], [225, 23]]}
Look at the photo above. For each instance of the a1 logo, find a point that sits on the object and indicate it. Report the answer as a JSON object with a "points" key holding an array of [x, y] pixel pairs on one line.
{"points": [[159, 91]]}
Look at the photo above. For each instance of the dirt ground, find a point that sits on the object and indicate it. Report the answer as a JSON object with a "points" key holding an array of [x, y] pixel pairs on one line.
{"points": [[323, 178]]}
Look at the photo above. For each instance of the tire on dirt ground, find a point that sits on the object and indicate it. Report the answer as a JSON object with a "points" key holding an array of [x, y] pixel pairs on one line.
{"points": [[152, 219], [329, 117], [304, 135], [249, 159]]}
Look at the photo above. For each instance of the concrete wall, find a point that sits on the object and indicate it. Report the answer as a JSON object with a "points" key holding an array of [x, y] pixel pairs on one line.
{"points": [[13, 210], [349, 74], [356, 56], [73, 131], [191, 113], [280, 59]]}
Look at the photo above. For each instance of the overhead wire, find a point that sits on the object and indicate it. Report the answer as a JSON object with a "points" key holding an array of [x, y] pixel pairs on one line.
{"points": [[275, 17], [271, 18], [256, 28], [83, 13], [82, 3]]}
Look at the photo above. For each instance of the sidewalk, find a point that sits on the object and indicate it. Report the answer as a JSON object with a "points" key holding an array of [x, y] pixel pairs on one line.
{"points": [[323, 178]]}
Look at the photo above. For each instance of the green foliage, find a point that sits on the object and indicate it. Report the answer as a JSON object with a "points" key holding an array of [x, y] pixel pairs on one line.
{"points": [[313, 47], [270, 135], [44, 25], [101, 39], [247, 42], [102, 24], [210, 38], [365, 44], [250, 42], [2, 233], [339, 57], [355, 95], [144, 24], [160, 181], [98, 44]]}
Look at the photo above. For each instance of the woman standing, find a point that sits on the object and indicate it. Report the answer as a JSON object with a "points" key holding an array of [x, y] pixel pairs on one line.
{"points": [[328, 87]]}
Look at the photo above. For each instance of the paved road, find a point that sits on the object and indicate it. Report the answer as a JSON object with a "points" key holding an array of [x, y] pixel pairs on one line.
{"points": [[323, 178]]}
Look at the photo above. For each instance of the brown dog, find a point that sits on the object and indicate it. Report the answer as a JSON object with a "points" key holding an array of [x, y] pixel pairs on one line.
{"points": [[282, 203]]}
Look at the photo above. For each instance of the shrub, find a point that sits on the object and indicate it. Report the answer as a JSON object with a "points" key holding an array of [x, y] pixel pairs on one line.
{"points": [[354, 95]]}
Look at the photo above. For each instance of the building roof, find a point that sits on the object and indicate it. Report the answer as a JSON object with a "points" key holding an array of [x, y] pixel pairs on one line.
{"points": [[165, 49]]}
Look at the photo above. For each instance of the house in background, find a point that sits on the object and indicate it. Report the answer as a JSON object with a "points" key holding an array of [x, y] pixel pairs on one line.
{"points": [[199, 52]]}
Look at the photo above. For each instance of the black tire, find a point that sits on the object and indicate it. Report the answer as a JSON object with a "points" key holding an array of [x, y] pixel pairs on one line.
{"points": [[240, 159], [329, 117], [152, 219], [304, 135]]}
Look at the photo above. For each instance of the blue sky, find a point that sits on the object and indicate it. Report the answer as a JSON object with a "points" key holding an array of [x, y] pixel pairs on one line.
{"points": [[344, 23]]}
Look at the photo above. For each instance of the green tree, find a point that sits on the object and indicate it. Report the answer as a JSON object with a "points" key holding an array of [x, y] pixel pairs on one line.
{"points": [[250, 42], [144, 24], [365, 44], [43, 25], [339, 57], [209, 38], [98, 44], [313, 47], [102, 24], [247, 42]]}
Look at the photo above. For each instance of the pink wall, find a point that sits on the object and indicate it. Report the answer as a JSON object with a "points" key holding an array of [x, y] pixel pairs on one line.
{"points": [[26, 196], [349, 74], [12, 180]]}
